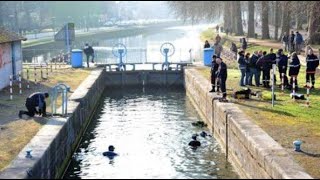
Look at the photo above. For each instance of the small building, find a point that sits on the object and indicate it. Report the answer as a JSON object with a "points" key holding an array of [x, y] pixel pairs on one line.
{"points": [[10, 56]]}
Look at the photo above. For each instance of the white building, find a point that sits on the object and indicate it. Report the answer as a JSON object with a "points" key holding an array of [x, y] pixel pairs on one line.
{"points": [[10, 56]]}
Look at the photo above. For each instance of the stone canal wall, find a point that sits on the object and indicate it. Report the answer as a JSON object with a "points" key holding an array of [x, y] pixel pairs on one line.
{"points": [[253, 153], [54, 144]]}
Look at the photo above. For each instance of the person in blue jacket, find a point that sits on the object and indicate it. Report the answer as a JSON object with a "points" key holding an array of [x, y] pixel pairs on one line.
{"points": [[35, 100], [298, 40]]}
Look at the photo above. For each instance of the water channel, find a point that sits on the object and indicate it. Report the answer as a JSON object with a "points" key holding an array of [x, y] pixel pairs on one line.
{"points": [[150, 129]]}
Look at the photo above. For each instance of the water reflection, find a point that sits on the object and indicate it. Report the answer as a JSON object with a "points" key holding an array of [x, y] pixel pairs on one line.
{"points": [[150, 131], [144, 47]]}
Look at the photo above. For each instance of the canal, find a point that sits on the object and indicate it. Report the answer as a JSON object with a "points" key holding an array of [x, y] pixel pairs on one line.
{"points": [[150, 129], [142, 47]]}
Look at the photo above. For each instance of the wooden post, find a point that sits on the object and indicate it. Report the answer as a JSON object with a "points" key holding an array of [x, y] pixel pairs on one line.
{"points": [[35, 75], [20, 85], [308, 92], [41, 72], [28, 82], [11, 95], [47, 71]]}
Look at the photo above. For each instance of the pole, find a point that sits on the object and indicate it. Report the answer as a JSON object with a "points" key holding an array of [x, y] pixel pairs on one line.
{"points": [[11, 96], [41, 72], [294, 85], [308, 92], [35, 75], [68, 41], [47, 71], [28, 82], [20, 86], [273, 70]]}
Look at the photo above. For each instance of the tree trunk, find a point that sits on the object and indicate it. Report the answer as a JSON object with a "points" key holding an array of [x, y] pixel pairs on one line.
{"points": [[313, 21], [285, 23], [277, 17], [251, 21], [226, 16], [238, 18], [233, 19], [265, 20], [299, 21]]}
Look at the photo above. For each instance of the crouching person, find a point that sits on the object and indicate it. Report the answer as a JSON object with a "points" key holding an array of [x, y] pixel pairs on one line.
{"points": [[33, 101], [222, 76]]}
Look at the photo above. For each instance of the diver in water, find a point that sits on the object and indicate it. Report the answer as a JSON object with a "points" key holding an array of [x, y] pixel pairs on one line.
{"points": [[194, 143], [110, 154]]}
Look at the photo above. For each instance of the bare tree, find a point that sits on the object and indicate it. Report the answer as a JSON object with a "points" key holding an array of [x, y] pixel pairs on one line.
{"points": [[285, 22], [314, 22], [251, 30], [265, 20], [277, 17], [238, 18]]}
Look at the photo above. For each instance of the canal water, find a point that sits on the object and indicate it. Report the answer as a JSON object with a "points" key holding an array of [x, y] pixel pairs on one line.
{"points": [[143, 47], [150, 129]]}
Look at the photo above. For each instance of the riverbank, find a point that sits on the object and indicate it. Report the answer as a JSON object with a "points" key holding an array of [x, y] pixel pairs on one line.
{"points": [[289, 120], [15, 133]]}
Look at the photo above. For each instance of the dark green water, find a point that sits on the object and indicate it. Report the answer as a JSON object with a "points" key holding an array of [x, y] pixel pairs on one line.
{"points": [[150, 129]]}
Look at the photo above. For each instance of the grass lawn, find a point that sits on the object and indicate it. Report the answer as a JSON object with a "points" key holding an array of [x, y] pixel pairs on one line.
{"points": [[15, 133], [289, 120]]}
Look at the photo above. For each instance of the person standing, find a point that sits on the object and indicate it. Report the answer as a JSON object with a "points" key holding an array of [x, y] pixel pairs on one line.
{"points": [[298, 42], [217, 49], [291, 38], [282, 61], [214, 68], [234, 49], [88, 50], [248, 72], [242, 67], [312, 64], [254, 69], [285, 41], [218, 38], [294, 70], [244, 44], [222, 75], [206, 44]]}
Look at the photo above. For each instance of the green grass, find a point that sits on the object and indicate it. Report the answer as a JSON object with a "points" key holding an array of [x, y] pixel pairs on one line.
{"points": [[288, 120]]}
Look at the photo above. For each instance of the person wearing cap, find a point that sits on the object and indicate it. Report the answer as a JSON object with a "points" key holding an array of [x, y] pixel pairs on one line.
{"points": [[222, 76], [243, 67], [312, 64], [110, 153], [194, 143], [214, 68], [32, 102]]}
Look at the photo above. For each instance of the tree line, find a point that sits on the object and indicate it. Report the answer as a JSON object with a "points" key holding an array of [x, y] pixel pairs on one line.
{"points": [[283, 16]]}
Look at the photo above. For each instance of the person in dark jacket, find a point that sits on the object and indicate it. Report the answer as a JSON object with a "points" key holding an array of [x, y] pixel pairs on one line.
{"points": [[244, 44], [282, 61], [194, 143], [291, 42], [222, 75], [243, 67], [285, 41], [206, 44], [234, 49], [110, 154], [214, 68], [298, 40], [254, 69], [248, 72], [33, 101], [88, 50], [312, 64], [264, 63], [294, 70]]}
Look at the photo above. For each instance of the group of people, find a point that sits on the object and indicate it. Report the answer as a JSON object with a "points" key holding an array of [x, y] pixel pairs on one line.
{"points": [[292, 42], [260, 62]]}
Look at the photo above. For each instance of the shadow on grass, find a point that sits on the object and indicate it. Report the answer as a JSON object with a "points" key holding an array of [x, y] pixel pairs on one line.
{"points": [[265, 109], [311, 154]]}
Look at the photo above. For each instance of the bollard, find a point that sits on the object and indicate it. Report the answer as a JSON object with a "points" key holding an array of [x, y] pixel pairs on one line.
{"points": [[297, 145], [20, 86], [11, 95], [308, 92], [55, 62], [35, 75], [51, 66], [28, 83]]}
